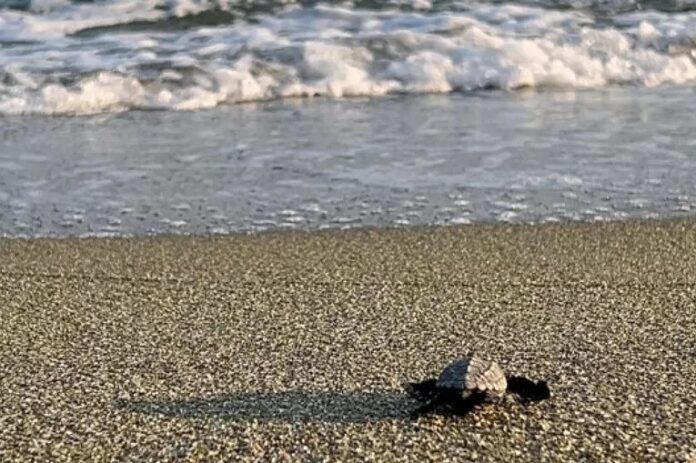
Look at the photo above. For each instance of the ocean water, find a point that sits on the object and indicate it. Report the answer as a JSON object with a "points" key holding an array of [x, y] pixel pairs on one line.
{"points": [[216, 116]]}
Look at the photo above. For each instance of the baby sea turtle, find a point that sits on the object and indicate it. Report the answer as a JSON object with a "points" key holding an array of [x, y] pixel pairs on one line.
{"points": [[470, 381]]}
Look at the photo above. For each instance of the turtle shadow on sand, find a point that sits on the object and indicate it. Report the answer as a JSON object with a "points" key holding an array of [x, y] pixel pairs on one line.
{"points": [[290, 406], [463, 386]]}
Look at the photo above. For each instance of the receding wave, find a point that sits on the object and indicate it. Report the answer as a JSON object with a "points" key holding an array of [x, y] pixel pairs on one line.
{"points": [[62, 57]]}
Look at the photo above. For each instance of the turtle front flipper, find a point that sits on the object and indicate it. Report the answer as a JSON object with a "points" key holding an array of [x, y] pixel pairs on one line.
{"points": [[422, 391], [528, 390]]}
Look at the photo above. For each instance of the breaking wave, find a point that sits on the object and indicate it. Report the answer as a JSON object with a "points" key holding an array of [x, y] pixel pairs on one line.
{"points": [[63, 57]]}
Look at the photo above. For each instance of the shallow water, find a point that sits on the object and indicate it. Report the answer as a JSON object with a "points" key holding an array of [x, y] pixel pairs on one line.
{"points": [[215, 116], [441, 159]]}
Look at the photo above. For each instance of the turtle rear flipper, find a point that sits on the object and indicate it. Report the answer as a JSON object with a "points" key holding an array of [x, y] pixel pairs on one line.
{"points": [[451, 403], [467, 404], [528, 390], [430, 406], [422, 391]]}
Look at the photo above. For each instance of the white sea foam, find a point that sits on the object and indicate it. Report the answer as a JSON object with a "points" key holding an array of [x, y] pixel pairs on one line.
{"points": [[51, 19], [321, 51]]}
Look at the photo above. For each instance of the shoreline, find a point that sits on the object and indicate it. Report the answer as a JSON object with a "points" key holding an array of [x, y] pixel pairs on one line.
{"points": [[293, 345], [419, 228]]}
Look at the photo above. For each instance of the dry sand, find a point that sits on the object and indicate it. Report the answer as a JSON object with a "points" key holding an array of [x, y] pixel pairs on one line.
{"points": [[293, 346]]}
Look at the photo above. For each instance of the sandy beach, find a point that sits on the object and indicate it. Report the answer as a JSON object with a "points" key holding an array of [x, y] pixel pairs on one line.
{"points": [[293, 346]]}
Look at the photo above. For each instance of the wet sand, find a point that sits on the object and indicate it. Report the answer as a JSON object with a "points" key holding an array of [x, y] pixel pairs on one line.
{"points": [[293, 346]]}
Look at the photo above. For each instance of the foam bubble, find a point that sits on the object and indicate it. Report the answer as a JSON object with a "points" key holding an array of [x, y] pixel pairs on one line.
{"points": [[322, 51]]}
